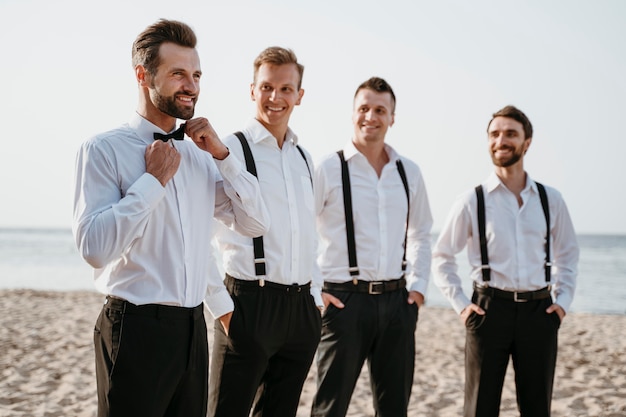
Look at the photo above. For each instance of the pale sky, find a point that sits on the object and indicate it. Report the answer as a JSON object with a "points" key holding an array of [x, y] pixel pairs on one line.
{"points": [[67, 75]]}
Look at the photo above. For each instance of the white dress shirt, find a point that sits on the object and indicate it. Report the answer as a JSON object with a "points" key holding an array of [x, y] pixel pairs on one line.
{"points": [[379, 208], [515, 243], [287, 190], [149, 243]]}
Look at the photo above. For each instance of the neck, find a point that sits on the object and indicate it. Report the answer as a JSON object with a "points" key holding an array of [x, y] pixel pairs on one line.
{"points": [[514, 178], [375, 154], [278, 131], [146, 109]]}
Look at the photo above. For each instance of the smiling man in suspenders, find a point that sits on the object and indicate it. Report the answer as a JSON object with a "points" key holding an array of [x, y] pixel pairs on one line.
{"points": [[523, 251], [374, 224], [266, 336]]}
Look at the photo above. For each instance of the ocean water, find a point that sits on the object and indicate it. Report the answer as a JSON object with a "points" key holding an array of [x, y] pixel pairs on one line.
{"points": [[48, 260]]}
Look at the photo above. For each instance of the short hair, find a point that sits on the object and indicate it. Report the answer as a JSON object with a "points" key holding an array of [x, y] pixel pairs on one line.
{"points": [[516, 114], [147, 44], [275, 55], [378, 85]]}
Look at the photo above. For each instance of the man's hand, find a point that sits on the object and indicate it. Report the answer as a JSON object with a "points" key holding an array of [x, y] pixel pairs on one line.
{"points": [[162, 161], [468, 310], [331, 299], [416, 297], [558, 309], [203, 135], [225, 320]]}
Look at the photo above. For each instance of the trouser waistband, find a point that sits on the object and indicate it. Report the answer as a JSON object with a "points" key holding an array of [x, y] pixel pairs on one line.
{"points": [[517, 296], [154, 310], [369, 287], [261, 285]]}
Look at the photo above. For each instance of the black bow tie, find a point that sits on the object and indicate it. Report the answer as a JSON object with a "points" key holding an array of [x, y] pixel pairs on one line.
{"points": [[178, 134]]}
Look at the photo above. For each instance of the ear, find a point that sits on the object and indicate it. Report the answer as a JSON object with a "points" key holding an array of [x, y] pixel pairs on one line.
{"points": [[393, 119], [527, 143], [142, 76], [252, 92], [300, 94]]}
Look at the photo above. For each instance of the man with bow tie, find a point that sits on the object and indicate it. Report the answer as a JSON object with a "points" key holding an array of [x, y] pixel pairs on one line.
{"points": [[143, 211]]}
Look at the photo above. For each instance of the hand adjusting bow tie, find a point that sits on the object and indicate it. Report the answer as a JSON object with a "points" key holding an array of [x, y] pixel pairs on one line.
{"points": [[178, 134]]}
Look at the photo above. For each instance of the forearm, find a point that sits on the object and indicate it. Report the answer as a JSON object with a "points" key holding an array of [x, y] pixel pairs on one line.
{"points": [[238, 199]]}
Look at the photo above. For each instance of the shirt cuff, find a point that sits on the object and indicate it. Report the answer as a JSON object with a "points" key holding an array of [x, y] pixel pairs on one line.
{"points": [[219, 304], [230, 167], [149, 188], [317, 297], [419, 285], [564, 301]]}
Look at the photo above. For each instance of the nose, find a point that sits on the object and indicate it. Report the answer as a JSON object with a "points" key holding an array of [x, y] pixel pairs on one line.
{"points": [[191, 85], [497, 139]]}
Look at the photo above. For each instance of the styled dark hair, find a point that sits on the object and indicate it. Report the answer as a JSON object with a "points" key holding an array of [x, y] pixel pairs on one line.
{"points": [[516, 114], [147, 44], [276, 55], [380, 86]]}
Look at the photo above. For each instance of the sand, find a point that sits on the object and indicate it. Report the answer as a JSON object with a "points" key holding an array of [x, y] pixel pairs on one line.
{"points": [[47, 362]]}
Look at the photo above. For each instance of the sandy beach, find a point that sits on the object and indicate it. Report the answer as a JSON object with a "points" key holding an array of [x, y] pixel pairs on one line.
{"points": [[47, 369]]}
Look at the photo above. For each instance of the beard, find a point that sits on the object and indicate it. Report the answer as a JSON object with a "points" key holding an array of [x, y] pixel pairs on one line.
{"points": [[170, 106], [512, 160]]}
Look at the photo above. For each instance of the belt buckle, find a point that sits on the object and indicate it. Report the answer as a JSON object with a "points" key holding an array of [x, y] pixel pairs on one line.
{"points": [[376, 284], [518, 300]]}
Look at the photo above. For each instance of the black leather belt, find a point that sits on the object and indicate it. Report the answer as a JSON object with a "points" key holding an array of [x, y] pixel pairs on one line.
{"points": [[518, 297], [368, 287], [258, 284]]}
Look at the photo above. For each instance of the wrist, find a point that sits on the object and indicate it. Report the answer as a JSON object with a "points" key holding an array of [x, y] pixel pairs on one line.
{"points": [[223, 154]]}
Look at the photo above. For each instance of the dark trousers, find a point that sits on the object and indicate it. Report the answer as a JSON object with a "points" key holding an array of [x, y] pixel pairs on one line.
{"points": [[151, 360], [523, 331], [377, 328], [264, 360]]}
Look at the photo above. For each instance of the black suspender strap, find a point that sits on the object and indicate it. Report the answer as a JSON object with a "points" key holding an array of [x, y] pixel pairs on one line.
{"points": [[347, 206], [408, 208], [546, 212], [483, 239], [260, 268], [259, 252], [481, 234], [307, 164]]}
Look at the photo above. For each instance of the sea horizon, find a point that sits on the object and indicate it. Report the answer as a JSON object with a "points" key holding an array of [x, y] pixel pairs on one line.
{"points": [[43, 258]]}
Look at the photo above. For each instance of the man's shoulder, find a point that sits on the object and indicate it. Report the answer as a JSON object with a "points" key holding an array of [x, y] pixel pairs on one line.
{"points": [[112, 136], [552, 193], [408, 163], [328, 160]]}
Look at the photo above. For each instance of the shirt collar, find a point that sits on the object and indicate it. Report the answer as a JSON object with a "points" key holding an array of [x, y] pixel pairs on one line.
{"points": [[493, 182], [350, 150], [259, 133], [144, 128]]}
